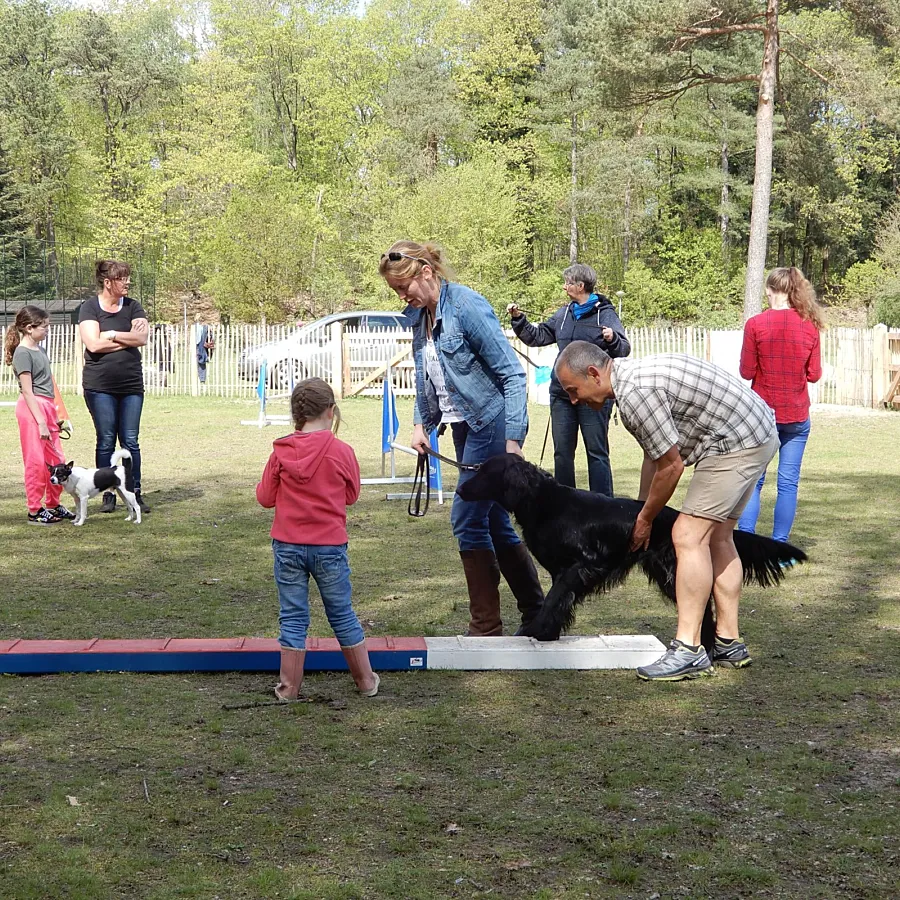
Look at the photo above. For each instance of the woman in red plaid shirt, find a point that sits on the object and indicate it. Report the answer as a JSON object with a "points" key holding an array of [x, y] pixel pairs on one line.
{"points": [[780, 354]]}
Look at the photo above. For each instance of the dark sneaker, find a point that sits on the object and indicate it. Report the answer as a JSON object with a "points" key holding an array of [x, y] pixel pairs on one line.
{"points": [[109, 502], [140, 502], [43, 517], [734, 654], [677, 663], [62, 513]]}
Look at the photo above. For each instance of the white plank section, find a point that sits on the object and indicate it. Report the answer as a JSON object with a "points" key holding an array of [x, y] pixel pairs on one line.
{"points": [[624, 651]]}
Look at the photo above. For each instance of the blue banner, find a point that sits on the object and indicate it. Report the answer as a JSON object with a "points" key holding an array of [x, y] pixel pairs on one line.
{"points": [[390, 423], [434, 465], [261, 386]]}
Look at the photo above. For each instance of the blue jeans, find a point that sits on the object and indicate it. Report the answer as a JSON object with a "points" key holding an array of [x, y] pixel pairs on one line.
{"points": [[566, 419], [480, 524], [328, 565], [117, 416], [792, 437]]}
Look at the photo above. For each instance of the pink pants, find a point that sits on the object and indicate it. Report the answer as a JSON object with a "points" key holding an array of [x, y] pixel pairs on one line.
{"points": [[37, 453]]}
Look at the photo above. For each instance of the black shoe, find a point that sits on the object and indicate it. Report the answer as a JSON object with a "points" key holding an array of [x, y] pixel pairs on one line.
{"points": [[43, 517], [109, 502], [61, 512], [140, 502]]}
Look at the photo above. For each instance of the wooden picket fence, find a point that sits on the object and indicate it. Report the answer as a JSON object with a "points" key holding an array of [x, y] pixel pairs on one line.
{"points": [[858, 364]]}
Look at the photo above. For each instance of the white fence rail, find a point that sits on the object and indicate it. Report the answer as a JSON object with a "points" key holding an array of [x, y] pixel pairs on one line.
{"points": [[353, 361]]}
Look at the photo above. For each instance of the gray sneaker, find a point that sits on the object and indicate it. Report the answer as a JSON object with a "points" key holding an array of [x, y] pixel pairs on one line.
{"points": [[678, 662], [735, 654]]}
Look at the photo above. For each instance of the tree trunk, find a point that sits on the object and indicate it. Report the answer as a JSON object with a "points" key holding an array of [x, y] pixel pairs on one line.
{"points": [[762, 176], [626, 236], [724, 218], [573, 214]]}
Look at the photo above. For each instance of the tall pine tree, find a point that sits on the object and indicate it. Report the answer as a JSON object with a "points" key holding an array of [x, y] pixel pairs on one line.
{"points": [[21, 262]]}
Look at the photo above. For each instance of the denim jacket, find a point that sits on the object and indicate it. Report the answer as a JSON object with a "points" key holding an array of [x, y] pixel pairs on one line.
{"points": [[481, 372]]}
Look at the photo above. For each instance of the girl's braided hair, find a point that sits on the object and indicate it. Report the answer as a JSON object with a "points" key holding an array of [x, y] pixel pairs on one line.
{"points": [[310, 398]]}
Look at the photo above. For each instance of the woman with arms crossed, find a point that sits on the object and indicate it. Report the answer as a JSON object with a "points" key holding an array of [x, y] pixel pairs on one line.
{"points": [[113, 326]]}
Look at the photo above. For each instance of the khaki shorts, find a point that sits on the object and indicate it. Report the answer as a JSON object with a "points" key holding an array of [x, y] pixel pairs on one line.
{"points": [[722, 485]]}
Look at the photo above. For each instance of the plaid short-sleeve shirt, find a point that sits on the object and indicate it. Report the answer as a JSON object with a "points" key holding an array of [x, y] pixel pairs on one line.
{"points": [[678, 400]]}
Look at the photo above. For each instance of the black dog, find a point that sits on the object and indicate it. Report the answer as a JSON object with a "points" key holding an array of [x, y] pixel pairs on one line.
{"points": [[582, 539]]}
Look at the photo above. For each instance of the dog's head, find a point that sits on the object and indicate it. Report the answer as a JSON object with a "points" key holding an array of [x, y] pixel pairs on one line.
{"points": [[61, 473], [507, 479]]}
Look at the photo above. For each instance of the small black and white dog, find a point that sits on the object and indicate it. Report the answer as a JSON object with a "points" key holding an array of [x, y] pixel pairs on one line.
{"points": [[84, 483]]}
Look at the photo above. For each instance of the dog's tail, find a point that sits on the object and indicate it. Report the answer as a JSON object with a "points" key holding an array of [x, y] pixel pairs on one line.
{"points": [[765, 560], [123, 457]]}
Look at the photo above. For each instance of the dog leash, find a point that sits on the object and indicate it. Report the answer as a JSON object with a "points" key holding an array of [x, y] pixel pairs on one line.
{"points": [[422, 481]]}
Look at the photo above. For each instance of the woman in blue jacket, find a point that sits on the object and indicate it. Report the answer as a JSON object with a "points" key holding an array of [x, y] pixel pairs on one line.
{"points": [[468, 377], [589, 317]]}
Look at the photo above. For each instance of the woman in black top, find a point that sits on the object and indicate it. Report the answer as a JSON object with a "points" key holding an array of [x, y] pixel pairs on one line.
{"points": [[112, 327], [589, 317]]}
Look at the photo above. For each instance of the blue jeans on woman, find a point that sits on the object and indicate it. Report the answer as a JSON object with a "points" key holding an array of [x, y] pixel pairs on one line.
{"points": [[328, 565], [480, 524], [117, 416], [566, 419], [792, 437]]}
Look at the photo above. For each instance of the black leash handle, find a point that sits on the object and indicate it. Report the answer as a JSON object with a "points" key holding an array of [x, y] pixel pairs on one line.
{"points": [[422, 483]]}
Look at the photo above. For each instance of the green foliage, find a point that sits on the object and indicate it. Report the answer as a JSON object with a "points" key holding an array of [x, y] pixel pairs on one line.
{"points": [[259, 250], [886, 305], [686, 283], [513, 132], [862, 282], [544, 294], [21, 272], [471, 211]]}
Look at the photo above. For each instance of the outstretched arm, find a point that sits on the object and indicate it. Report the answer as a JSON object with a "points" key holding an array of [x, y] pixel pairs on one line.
{"points": [[669, 469]]}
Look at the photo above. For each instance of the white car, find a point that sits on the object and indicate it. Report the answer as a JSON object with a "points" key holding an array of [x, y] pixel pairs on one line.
{"points": [[306, 352]]}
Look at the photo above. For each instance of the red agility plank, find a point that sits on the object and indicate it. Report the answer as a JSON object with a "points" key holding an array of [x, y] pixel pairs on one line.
{"points": [[145, 645], [53, 646], [204, 645], [196, 654]]}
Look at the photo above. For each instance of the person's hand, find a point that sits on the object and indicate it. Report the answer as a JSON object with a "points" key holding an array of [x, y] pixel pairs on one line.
{"points": [[607, 333], [109, 335], [514, 311], [514, 447], [44, 430], [640, 535], [419, 440]]}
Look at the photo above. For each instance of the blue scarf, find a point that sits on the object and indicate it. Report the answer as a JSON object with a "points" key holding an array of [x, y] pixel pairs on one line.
{"points": [[580, 310]]}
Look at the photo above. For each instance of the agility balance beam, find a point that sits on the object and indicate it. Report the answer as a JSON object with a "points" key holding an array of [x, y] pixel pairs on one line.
{"points": [[324, 654]]}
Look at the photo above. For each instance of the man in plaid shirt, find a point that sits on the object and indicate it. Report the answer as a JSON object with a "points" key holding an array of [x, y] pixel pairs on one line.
{"points": [[686, 412]]}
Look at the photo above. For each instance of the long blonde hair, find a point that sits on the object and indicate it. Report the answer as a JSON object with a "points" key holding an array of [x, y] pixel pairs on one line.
{"points": [[27, 315], [309, 399], [412, 257], [800, 293]]}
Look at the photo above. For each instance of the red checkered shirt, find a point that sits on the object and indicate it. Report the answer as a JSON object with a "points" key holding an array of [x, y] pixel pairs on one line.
{"points": [[781, 353]]}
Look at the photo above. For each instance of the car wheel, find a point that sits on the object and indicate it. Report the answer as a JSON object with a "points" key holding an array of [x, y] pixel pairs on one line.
{"points": [[286, 374]]}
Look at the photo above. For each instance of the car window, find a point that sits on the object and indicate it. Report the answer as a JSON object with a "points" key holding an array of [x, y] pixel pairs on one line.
{"points": [[383, 322], [352, 322]]}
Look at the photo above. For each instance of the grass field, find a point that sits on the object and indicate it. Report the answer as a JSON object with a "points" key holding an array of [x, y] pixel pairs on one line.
{"points": [[778, 781]]}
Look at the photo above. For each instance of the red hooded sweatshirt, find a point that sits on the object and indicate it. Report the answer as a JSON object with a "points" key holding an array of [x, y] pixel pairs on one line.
{"points": [[310, 479]]}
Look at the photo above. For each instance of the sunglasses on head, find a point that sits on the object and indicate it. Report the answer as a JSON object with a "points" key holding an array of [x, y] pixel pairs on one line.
{"points": [[396, 256]]}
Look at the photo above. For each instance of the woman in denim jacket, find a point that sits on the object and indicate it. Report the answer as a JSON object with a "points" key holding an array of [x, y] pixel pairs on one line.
{"points": [[589, 317], [467, 376]]}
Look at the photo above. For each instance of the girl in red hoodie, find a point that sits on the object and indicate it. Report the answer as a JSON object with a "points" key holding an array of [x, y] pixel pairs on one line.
{"points": [[311, 478]]}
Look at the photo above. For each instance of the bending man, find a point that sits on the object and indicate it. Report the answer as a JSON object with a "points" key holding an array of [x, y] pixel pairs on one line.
{"points": [[686, 412]]}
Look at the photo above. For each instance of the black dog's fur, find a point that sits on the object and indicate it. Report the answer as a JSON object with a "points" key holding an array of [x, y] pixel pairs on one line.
{"points": [[582, 539]]}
